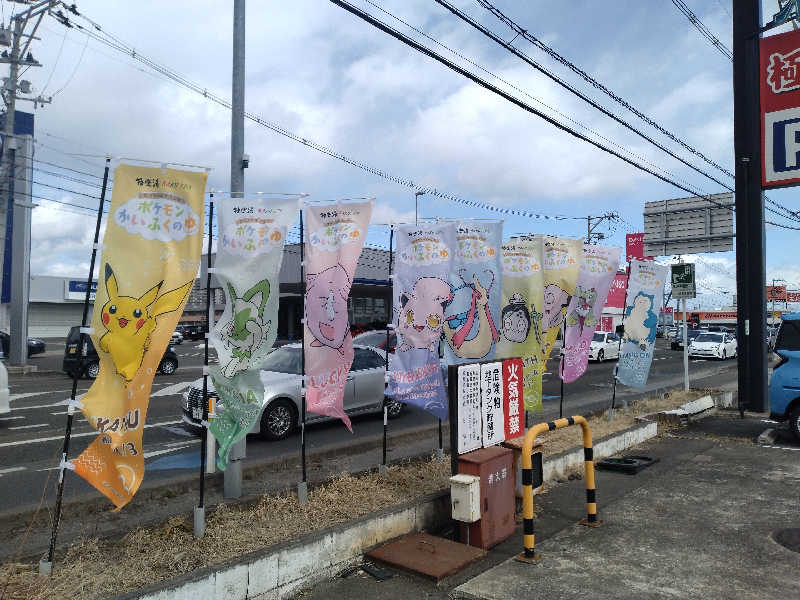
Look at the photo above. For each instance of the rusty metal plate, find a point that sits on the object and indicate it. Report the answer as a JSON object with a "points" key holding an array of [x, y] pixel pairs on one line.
{"points": [[427, 555]]}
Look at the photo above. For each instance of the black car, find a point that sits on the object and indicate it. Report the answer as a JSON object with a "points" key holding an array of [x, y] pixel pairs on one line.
{"points": [[35, 345], [691, 334], [191, 332], [87, 363]]}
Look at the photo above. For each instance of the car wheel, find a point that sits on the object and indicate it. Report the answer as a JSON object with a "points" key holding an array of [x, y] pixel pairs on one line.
{"points": [[393, 408], [168, 366], [794, 421], [600, 356], [93, 370], [278, 420], [724, 354]]}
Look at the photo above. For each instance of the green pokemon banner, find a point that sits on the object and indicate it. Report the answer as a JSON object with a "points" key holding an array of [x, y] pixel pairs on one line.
{"points": [[252, 233]]}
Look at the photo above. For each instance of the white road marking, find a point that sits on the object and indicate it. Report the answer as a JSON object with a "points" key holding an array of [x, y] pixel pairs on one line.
{"points": [[13, 397], [10, 418], [29, 426], [172, 389], [781, 448], [11, 470], [75, 435], [168, 450]]}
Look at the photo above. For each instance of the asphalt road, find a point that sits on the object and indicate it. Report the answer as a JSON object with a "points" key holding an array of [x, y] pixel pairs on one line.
{"points": [[31, 436]]}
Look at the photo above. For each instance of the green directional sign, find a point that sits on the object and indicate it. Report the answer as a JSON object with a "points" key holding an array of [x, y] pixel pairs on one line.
{"points": [[683, 281]]}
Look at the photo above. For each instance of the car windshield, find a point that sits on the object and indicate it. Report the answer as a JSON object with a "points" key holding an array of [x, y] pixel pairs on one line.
{"points": [[789, 336], [283, 360], [714, 338], [598, 337], [371, 338]]}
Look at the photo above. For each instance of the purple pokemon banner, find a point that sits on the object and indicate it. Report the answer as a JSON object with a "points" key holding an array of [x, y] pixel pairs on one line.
{"points": [[597, 271], [334, 237], [421, 296]]}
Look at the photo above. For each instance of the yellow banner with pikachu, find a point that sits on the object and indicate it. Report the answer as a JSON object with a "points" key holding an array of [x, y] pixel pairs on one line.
{"points": [[151, 254]]}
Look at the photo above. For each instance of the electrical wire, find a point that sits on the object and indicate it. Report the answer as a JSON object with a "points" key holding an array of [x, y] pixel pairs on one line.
{"points": [[705, 31]]}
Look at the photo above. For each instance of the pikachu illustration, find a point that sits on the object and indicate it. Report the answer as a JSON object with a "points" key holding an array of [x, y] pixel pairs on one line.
{"points": [[130, 321]]}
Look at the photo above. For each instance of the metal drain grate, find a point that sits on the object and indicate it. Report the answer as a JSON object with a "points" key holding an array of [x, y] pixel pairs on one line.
{"points": [[788, 538]]}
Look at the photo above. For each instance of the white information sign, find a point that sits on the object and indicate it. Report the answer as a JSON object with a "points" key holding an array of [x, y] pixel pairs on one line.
{"points": [[492, 403], [469, 408]]}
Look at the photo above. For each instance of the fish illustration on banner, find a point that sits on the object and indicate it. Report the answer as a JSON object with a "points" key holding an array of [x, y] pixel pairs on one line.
{"points": [[151, 254], [561, 260], [421, 294], [598, 267], [521, 313], [334, 237], [470, 329], [252, 234], [644, 301]]}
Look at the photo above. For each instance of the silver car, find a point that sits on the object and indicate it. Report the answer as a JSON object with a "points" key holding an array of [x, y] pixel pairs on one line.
{"points": [[281, 405]]}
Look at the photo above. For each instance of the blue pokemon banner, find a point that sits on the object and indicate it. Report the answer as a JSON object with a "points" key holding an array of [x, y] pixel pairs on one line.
{"points": [[471, 317], [643, 303], [422, 294]]}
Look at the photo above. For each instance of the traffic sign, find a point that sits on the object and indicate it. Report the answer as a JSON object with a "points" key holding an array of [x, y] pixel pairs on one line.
{"points": [[683, 281]]}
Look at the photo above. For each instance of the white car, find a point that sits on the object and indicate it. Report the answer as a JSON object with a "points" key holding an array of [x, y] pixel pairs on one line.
{"points": [[605, 344], [177, 337], [713, 345]]}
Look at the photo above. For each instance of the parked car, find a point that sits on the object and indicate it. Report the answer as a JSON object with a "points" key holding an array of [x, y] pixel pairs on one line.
{"points": [[192, 332], [691, 335], [605, 344], [35, 345], [177, 337], [784, 387], [376, 339], [671, 332], [281, 404], [5, 404], [713, 345], [87, 362]]}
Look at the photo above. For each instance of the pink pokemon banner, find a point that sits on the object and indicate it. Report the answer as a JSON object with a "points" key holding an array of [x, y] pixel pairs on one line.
{"points": [[597, 271], [334, 237]]}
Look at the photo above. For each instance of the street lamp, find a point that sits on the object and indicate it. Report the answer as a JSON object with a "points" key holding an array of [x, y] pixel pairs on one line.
{"points": [[417, 194]]}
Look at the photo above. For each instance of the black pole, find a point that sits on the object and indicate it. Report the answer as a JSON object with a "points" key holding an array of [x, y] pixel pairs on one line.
{"points": [[205, 432], [75, 373], [388, 331], [561, 368], [619, 343], [750, 236], [303, 352]]}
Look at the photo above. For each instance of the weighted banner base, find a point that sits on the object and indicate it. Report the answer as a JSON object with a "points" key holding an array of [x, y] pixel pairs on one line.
{"points": [[45, 568], [302, 492], [382, 469], [439, 454], [199, 521]]}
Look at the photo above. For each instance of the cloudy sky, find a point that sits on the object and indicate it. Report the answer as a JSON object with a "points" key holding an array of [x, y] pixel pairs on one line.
{"points": [[321, 73]]}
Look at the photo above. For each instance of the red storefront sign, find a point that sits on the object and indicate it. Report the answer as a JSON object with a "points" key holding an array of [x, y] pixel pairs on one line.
{"points": [[780, 109], [513, 407], [793, 296], [616, 295], [606, 323], [776, 292]]}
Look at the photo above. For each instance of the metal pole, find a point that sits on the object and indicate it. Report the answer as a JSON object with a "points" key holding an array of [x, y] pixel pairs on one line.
{"points": [[302, 487], [561, 368], [232, 478], [619, 346], [750, 235], [685, 349], [382, 468], [45, 566], [200, 509]]}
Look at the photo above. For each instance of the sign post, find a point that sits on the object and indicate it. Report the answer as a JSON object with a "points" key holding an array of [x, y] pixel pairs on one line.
{"points": [[683, 287]]}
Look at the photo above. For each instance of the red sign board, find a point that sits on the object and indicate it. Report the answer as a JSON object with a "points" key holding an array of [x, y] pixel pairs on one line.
{"points": [[780, 109], [513, 407], [634, 247], [793, 296], [606, 323], [616, 295], [776, 292]]}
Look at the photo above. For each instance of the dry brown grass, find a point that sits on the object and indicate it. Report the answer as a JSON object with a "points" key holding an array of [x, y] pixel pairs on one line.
{"points": [[98, 569]]}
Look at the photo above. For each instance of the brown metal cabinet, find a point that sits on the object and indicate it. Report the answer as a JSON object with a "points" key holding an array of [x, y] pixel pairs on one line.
{"points": [[494, 466]]}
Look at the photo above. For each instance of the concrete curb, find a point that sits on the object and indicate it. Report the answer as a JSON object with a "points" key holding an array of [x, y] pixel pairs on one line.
{"points": [[279, 571]]}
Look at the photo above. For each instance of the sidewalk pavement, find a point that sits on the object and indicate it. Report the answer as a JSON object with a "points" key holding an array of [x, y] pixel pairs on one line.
{"points": [[697, 524]]}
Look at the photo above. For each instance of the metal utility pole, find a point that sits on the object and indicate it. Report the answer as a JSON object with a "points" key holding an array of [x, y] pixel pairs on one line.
{"points": [[19, 205], [417, 194], [593, 222], [232, 480], [750, 235]]}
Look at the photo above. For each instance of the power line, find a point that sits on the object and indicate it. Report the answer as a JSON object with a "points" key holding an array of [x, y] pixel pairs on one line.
{"points": [[705, 31], [592, 81]]}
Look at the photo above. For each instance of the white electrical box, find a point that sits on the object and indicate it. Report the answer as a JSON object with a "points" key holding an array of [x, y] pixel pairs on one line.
{"points": [[465, 498]]}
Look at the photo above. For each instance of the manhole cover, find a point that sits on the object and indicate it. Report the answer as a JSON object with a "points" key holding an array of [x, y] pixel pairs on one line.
{"points": [[788, 538]]}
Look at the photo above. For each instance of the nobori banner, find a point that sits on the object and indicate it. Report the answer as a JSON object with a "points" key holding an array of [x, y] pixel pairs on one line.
{"points": [[780, 109]]}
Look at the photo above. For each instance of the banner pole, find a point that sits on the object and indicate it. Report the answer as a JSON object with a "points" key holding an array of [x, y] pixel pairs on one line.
{"points": [[200, 510], [619, 345], [561, 368], [302, 487], [46, 566], [382, 468]]}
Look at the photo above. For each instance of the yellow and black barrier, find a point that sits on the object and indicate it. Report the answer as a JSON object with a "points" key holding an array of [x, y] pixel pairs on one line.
{"points": [[529, 553]]}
